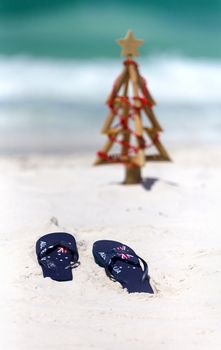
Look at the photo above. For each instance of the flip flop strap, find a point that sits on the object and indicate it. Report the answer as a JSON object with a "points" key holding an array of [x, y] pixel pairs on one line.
{"points": [[112, 257], [61, 244]]}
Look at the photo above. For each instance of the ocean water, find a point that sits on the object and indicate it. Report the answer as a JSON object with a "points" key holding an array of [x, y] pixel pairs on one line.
{"points": [[85, 29], [49, 105], [59, 60]]}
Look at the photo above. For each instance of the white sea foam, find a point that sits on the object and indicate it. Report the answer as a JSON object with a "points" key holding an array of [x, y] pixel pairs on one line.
{"points": [[58, 106], [173, 80]]}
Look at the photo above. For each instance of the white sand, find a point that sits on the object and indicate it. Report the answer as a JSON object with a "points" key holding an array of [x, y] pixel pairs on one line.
{"points": [[175, 226]]}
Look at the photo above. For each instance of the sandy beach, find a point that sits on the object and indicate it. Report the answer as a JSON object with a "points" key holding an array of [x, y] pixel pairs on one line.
{"points": [[171, 220]]}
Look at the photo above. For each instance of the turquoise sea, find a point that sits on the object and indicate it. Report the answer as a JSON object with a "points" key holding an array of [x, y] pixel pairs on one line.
{"points": [[59, 60]]}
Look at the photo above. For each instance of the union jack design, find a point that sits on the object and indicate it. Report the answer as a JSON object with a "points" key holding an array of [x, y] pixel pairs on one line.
{"points": [[122, 247], [62, 250], [123, 255]]}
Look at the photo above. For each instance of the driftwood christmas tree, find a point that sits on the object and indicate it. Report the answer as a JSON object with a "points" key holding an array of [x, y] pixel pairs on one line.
{"points": [[129, 100]]}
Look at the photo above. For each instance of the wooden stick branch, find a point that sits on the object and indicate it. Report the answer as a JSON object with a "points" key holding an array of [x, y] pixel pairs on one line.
{"points": [[107, 146], [126, 133], [99, 161], [126, 83], [126, 140], [155, 158], [134, 78], [153, 136], [108, 122], [142, 85], [139, 159], [117, 85], [105, 149], [150, 114], [133, 73], [114, 131], [114, 160], [138, 124]]}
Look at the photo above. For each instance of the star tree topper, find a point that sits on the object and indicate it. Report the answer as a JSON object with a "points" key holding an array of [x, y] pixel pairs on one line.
{"points": [[130, 44]]}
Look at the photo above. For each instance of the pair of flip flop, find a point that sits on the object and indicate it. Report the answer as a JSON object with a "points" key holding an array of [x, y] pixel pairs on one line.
{"points": [[57, 254]]}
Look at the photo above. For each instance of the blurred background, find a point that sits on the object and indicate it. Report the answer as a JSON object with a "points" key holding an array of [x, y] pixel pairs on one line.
{"points": [[59, 60]]}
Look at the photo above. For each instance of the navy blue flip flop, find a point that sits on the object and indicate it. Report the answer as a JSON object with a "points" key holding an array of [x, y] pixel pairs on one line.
{"points": [[122, 265], [57, 254]]}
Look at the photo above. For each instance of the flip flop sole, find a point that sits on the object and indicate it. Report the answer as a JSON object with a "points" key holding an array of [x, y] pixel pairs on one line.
{"points": [[129, 275], [56, 264]]}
